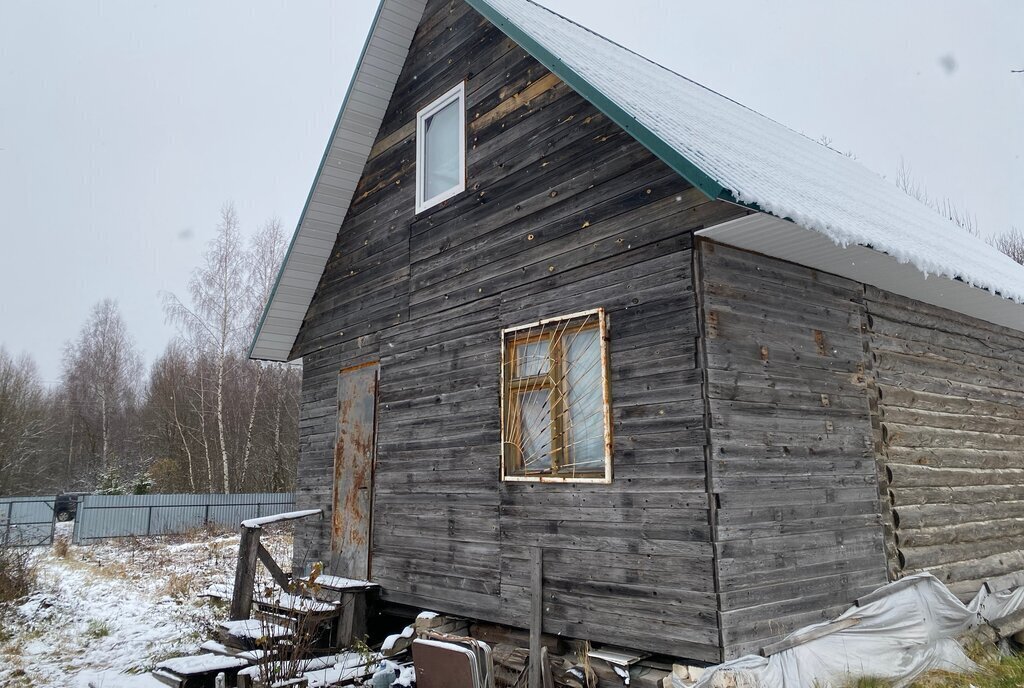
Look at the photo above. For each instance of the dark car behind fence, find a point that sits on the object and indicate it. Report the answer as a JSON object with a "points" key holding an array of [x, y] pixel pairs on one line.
{"points": [[30, 521]]}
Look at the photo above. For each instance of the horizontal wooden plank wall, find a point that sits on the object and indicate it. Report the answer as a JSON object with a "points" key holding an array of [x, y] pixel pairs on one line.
{"points": [[951, 403], [563, 212], [798, 533]]}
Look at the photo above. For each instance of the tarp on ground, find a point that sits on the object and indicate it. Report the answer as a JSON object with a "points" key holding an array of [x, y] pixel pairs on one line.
{"points": [[897, 637]]}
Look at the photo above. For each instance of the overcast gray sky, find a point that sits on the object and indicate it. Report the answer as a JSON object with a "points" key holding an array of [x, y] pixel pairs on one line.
{"points": [[124, 126]]}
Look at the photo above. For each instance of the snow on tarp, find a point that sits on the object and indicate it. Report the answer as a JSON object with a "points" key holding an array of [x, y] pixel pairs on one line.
{"points": [[764, 163], [287, 516], [897, 637]]}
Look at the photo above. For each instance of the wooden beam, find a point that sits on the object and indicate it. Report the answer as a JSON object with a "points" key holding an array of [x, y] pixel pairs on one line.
{"points": [[887, 590], [276, 573], [1010, 624], [1004, 583], [807, 636]]}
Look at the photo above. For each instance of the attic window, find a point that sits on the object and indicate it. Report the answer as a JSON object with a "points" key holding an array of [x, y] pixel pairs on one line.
{"points": [[441, 149], [555, 400]]}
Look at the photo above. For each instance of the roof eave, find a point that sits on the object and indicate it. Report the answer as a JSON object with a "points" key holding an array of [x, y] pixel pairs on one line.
{"points": [[252, 352]]}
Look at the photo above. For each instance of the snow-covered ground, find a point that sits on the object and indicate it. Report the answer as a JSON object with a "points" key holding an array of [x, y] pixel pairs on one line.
{"points": [[106, 613]]}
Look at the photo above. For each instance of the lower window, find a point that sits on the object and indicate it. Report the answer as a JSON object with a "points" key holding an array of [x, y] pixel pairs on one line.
{"points": [[555, 400]]}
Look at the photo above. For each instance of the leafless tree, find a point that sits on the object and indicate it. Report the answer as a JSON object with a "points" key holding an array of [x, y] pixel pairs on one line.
{"points": [[266, 253], [246, 404], [24, 424], [1011, 243], [963, 219], [215, 320], [102, 372], [171, 427]]}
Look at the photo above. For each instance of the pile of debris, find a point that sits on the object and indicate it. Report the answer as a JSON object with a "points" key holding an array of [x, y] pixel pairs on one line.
{"points": [[433, 651]]}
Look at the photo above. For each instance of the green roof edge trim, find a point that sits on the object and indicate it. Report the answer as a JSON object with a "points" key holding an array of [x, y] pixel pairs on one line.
{"points": [[650, 140], [309, 196]]}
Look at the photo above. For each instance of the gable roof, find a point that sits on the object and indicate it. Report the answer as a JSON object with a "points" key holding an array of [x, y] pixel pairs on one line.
{"points": [[727, 150]]}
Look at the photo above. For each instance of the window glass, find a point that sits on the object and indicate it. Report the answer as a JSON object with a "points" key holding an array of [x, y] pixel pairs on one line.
{"points": [[535, 429], [441, 150], [585, 407], [532, 359]]}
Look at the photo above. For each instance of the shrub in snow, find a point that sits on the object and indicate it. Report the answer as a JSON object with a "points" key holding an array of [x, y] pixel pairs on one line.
{"points": [[17, 572]]}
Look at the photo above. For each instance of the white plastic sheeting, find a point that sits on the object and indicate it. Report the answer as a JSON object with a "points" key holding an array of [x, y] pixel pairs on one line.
{"points": [[898, 637]]}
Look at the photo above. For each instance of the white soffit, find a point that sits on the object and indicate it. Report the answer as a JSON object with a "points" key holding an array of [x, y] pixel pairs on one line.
{"points": [[360, 118], [778, 238]]}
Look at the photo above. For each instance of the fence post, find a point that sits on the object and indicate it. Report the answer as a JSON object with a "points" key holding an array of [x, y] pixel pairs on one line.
{"points": [[7, 525], [206, 515], [149, 520], [53, 519]]}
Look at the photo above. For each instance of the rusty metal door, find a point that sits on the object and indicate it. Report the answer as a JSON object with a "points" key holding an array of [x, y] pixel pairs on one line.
{"points": [[353, 471]]}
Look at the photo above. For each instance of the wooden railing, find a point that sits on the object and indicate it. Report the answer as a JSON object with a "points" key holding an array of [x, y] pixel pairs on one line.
{"points": [[250, 549]]}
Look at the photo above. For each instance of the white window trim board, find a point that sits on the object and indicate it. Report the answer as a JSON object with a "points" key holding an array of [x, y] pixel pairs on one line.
{"points": [[457, 93]]}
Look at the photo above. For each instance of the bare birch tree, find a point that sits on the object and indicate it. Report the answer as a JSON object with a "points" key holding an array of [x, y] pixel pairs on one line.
{"points": [[215, 321], [266, 253]]}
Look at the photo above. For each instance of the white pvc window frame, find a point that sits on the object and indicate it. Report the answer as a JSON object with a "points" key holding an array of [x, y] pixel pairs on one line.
{"points": [[456, 94]]}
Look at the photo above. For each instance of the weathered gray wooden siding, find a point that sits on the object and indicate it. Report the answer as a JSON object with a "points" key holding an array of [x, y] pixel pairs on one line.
{"points": [[798, 534], [951, 404], [563, 211]]}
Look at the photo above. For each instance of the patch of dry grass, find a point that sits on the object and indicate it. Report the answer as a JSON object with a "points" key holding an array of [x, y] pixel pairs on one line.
{"points": [[179, 586], [17, 572], [995, 672], [61, 547]]}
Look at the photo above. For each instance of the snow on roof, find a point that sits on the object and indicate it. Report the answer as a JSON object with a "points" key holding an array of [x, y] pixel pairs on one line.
{"points": [[756, 160]]}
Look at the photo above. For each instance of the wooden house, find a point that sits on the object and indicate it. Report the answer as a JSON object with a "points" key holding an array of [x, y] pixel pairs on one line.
{"points": [[548, 293]]}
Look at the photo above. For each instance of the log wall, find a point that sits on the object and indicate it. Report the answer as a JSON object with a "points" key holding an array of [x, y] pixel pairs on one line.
{"points": [[798, 534], [951, 404], [563, 212]]}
